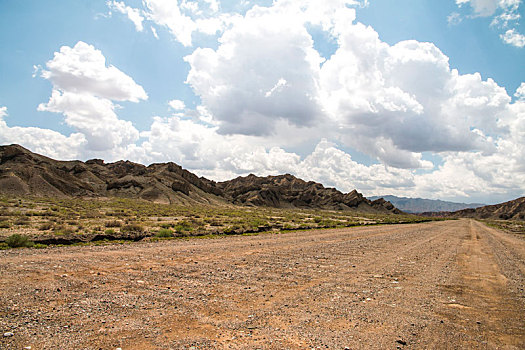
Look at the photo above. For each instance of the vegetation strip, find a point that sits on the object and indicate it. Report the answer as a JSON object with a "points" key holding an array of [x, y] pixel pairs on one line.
{"points": [[46, 221]]}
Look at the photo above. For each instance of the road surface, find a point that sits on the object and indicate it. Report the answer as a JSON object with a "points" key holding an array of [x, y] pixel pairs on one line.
{"points": [[438, 285]]}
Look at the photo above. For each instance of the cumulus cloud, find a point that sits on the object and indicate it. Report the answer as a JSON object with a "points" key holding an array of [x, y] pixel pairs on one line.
{"points": [[82, 69], [394, 102], [512, 37], [133, 14], [93, 117], [83, 87], [187, 17], [259, 73], [44, 141], [177, 105]]}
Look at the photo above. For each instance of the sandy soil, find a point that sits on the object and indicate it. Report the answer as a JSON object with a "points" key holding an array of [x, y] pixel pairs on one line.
{"points": [[442, 285]]}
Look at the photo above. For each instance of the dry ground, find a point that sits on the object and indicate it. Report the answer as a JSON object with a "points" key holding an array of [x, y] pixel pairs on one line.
{"points": [[438, 285]]}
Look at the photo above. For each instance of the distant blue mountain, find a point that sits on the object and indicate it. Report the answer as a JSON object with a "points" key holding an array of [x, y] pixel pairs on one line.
{"points": [[420, 205]]}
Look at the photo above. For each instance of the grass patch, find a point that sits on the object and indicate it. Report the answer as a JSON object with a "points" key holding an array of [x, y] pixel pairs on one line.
{"points": [[164, 233], [18, 241]]}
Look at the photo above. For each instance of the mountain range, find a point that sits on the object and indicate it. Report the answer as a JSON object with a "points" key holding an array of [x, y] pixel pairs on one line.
{"points": [[420, 205], [23, 172]]}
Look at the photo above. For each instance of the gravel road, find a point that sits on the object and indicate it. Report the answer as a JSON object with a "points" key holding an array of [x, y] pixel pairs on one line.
{"points": [[438, 285]]}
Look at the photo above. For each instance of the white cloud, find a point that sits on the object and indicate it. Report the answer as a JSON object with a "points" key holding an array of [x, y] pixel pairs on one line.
{"points": [[94, 117], [168, 13], [520, 92], [132, 13], [481, 7], [43, 141], [252, 58], [512, 37], [393, 102], [83, 88], [154, 31], [82, 69], [177, 105], [454, 19]]}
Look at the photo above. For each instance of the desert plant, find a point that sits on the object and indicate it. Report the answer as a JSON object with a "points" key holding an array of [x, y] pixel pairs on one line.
{"points": [[132, 227], [17, 241], [164, 233], [113, 223]]}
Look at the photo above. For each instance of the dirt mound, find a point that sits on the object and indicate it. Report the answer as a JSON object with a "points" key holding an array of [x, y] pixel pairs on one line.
{"points": [[25, 173], [511, 210]]}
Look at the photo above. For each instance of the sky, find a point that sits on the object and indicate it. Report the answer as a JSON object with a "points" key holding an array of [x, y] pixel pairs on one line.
{"points": [[415, 98]]}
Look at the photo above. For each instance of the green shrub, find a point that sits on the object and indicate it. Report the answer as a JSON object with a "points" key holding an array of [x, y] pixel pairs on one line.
{"points": [[109, 231], [63, 230], [18, 241], [113, 223], [183, 226], [164, 233], [132, 228]]}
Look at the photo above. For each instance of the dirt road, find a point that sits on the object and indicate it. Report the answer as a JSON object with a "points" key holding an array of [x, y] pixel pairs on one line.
{"points": [[442, 285]]}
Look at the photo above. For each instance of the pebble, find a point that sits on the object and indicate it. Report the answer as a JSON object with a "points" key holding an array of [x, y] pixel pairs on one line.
{"points": [[8, 334]]}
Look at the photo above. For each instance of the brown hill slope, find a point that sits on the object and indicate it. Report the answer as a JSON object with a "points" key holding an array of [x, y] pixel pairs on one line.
{"points": [[288, 191], [511, 210], [25, 173]]}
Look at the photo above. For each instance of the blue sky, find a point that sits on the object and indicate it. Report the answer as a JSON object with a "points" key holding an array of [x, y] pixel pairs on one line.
{"points": [[414, 98]]}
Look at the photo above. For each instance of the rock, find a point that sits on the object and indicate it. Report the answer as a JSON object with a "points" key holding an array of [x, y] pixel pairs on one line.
{"points": [[8, 334], [402, 342]]}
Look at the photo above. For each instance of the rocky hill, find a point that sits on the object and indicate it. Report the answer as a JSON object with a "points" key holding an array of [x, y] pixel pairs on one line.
{"points": [[288, 191], [23, 172], [420, 205], [511, 210]]}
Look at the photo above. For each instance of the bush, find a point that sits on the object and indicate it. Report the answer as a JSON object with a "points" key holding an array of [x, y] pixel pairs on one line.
{"points": [[113, 223], [164, 233], [132, 228], [63, 230], [109, 231], [183, 226], [18, 241]]}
